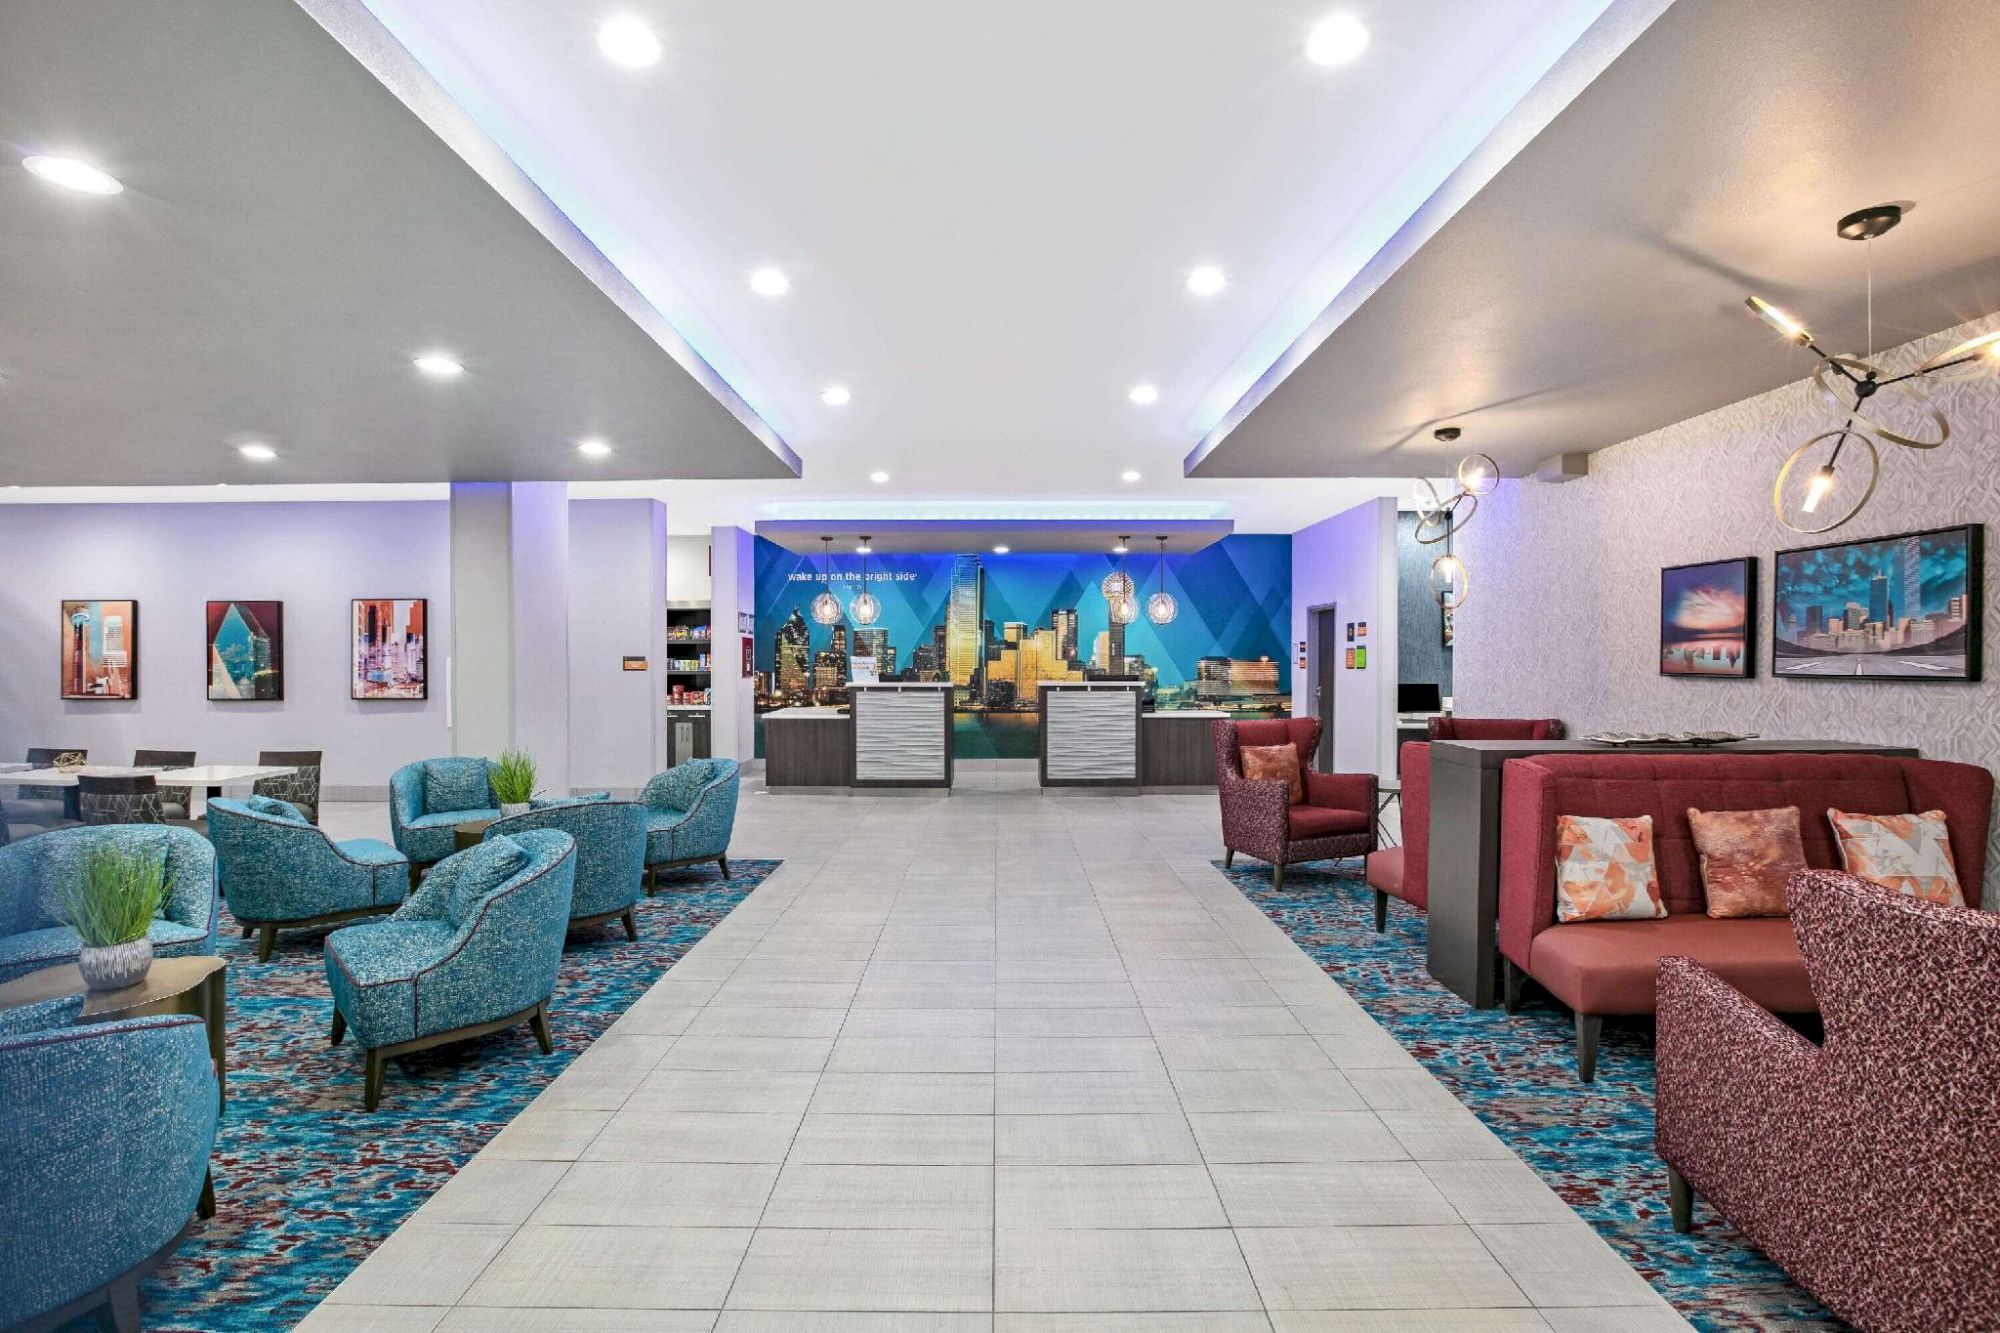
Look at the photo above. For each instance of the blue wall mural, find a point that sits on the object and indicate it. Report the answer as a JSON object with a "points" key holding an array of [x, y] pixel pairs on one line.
{"points": [[996, 625]]}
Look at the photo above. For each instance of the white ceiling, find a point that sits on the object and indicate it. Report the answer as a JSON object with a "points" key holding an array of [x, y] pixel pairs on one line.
{"points": [[988, 215]]}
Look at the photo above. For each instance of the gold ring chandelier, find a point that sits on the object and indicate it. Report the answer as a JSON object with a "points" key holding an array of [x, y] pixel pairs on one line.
{"points": [[1439, 516], [1893, 408]]}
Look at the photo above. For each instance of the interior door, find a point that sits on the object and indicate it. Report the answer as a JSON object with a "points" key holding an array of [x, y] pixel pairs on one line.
{"points": [[1326, 647]]}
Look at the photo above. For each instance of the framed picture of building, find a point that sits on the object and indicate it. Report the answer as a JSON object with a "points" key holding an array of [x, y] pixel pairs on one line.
{"points": [[245, 642], [1708, 619], [100, 650], [390, 649], [1906, 608]]}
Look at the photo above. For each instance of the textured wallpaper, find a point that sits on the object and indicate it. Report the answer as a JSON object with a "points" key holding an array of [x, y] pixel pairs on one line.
{"points": [[1563, 617]]}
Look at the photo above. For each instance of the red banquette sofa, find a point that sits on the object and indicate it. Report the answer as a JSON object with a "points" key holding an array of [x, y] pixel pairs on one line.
{"points": [[1610, 967]]}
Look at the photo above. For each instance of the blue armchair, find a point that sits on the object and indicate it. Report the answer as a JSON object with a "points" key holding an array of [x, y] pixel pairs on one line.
{"points": [[279, 870], [474, 950], [610, 854], [107, 1137], [32, 936], [430, 798], [692, 811]]}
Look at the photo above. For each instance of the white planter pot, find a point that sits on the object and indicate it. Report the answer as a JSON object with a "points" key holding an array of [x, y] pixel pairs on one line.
{"points": [[510, 808], [116, 966]]}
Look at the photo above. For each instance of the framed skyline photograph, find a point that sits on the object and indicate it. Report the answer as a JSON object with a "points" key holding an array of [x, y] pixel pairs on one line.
{"points": [[100, 650], [1905, 607], [1708, 619], [390, 649], [246, 651]]}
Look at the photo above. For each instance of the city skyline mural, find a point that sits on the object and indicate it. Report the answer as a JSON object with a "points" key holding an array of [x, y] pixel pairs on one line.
{"points": [[390, 649], [1905, 607], [997, 625], [246, 651]]}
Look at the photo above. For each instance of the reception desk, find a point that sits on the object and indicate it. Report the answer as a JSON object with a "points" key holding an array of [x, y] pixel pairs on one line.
{"points": [[902, 734], [1090, 733], [809, 748], [1177, 748]]}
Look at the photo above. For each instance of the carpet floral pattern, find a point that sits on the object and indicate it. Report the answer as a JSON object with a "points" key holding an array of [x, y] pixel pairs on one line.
{"points": [[307, 1183], [1593, 1143]]}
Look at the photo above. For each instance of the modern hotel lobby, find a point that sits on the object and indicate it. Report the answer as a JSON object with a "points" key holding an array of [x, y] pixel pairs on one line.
{"points": [[1145, 667]]}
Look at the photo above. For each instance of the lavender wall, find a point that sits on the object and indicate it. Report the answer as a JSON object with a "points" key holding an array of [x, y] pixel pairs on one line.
{"points": [[314, 557], [1564, 609], [1349, 561]]}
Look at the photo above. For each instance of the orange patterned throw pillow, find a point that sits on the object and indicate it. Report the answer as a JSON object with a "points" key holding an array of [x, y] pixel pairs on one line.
{"points": [[1275, 763], [1908, 853], [1747, 858], [1605, 871]]}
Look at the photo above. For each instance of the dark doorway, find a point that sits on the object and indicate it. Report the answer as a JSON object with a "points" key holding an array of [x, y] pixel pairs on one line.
{"points": [[1323, 633]]}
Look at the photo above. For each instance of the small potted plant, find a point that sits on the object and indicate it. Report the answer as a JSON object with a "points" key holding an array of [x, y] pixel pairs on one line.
{"points": [[111, 905], [513, 777]]}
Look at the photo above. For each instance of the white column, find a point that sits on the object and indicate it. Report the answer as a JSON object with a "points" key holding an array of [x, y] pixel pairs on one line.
{"points": [[508, 671], [617, 609], [732, 702]]}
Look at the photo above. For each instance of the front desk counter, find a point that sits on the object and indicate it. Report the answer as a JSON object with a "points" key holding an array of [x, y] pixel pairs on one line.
{"points": [[902, 735], [808, 747], [1177, 748]]}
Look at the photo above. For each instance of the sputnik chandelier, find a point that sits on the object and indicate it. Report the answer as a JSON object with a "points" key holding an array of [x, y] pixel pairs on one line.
{"points": [[865, 609], [826, 607], [1875, 406], [1439, 516]]}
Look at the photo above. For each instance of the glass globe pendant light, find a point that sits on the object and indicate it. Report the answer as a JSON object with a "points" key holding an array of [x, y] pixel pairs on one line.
{"points": [[1119, 595], [865, 609], [826, 607], [1161, 607]]}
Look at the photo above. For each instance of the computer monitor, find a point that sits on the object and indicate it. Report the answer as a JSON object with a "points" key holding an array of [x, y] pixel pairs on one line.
{"points": [[1423, 698]]}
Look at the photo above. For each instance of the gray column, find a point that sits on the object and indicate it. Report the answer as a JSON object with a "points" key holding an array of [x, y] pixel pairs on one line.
{"points": [[617, 609]]}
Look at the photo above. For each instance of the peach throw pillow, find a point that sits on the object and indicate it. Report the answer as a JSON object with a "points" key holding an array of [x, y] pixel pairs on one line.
{"points": [[1747, 858], [1907, 853], [1275, 763], [1605, 869]]}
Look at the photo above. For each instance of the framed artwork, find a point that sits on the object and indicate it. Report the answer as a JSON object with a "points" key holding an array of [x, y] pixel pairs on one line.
{"points": [[1906, 607], [390, 649], [1708, 619], [1447, 629], [246, 651], [100, 650]]}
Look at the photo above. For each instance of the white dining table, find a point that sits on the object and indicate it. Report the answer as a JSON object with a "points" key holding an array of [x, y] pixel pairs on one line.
{"points": [[208, 780]]}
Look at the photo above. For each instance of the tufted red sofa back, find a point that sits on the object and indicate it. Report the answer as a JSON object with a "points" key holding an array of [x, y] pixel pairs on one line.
{"points": [[1623, 786], [1496, 729]]}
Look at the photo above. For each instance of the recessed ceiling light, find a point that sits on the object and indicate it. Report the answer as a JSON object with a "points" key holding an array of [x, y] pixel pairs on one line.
{"points": [[258, 453], [1129, 475], [626, 40], [770, 282], [438, 364], [1206, 280], [593, 448], [836, 395], [1336, 39], [72, 174], [1001, 549], [1145, 395], [878, 476]]}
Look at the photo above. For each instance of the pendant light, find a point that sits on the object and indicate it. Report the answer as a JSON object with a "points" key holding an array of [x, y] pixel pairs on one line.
{"points": [[865, 610], [1161, 607], [826, 607], [1870, 402], [1118, 590]]}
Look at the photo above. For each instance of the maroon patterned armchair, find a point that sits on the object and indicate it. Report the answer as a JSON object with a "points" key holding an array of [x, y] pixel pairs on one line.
{"points": [[1336, 819], [1450, 728], [1867, 1167]]}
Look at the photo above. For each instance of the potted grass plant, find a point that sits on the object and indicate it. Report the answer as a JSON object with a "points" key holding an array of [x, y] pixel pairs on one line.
{"points": [[513, 778], [111, 905]]}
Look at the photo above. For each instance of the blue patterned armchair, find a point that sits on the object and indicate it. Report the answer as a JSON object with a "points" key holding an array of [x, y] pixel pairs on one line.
{"points": [[692, 811], [474, 950], [280, 870], [430, 798], [107, 1137], [610, 854], [33, 936]]}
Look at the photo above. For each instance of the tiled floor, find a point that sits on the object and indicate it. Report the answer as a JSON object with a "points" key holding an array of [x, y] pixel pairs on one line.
{"points": [[997, 1062]]}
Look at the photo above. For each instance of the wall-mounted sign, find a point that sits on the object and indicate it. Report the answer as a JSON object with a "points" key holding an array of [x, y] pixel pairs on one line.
{"points": [[1361, 659], [746, 622], [749, 657], [1361, 629], [1350, 631], [632, 663], [1349, 663]]}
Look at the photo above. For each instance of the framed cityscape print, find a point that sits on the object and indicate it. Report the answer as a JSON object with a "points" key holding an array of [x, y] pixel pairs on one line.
{"points": [[390, 649], [1708, 619], [246, 651], [1906, 607], [100, 650]]}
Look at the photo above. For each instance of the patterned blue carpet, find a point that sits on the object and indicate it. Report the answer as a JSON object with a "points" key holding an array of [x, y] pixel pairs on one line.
{"points": [[307, 1183], [1593, 1143]]}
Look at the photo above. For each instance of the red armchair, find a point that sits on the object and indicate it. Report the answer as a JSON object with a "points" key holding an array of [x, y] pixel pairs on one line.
{"points": [[1867, 1167], [1404, 872], [1450, 728], [1336, 819]]}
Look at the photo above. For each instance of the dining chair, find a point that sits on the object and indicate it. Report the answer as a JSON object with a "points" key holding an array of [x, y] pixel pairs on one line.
{"points": [[124, 799], [175, 802], [47, 807], [301, 788]]}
